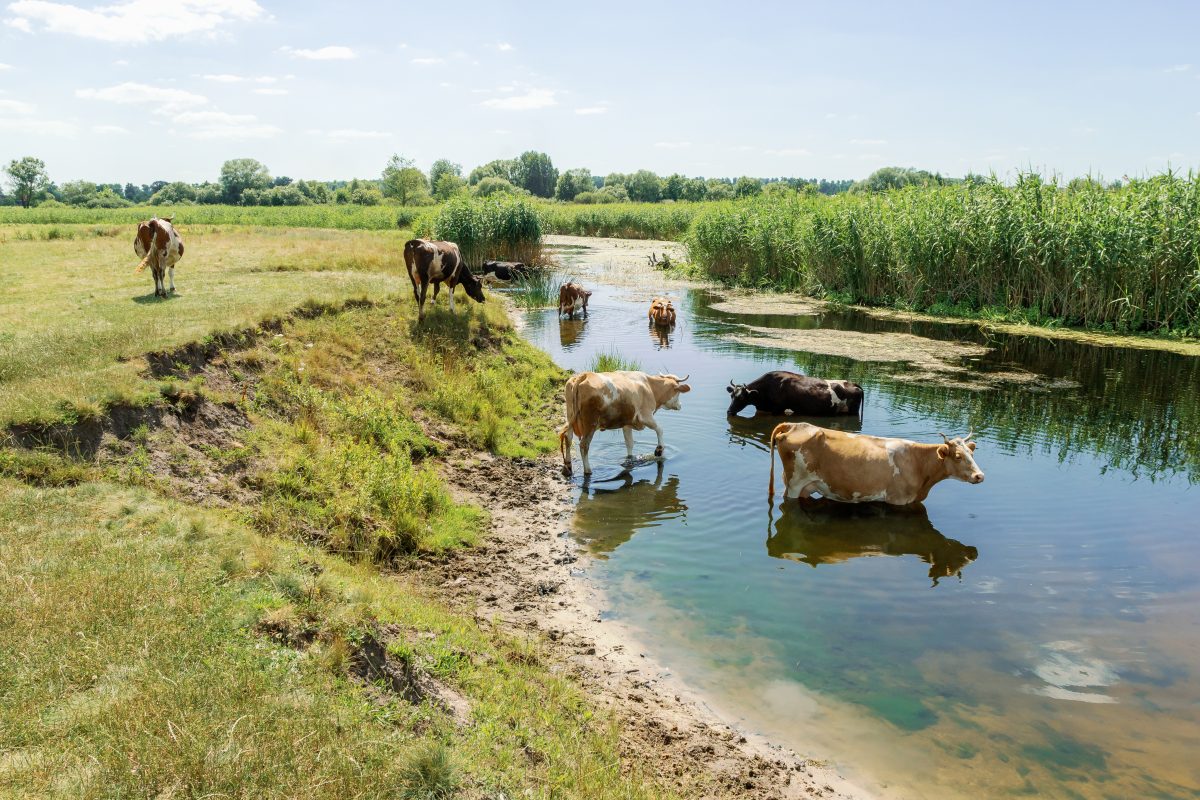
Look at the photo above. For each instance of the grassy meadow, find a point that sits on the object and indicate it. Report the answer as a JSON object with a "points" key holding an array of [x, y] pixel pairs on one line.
{"points": [[186, 618]]}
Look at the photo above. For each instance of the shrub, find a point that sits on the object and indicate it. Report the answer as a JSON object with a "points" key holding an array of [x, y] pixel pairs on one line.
{"points": [[503, 227]]}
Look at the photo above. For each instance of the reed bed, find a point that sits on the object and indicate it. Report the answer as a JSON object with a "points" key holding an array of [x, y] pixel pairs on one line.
{"points": [[501, 227], [611, 360], [537, 290], [1124, 259], [621, 220]]}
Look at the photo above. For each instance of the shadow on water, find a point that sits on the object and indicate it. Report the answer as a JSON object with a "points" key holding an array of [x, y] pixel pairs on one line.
{"points": [[824, 532], [661, 336], [611, 511], [570, 333]]}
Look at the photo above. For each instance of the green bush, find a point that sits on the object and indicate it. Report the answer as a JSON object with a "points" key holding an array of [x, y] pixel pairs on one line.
{"points": [[501, 227]]}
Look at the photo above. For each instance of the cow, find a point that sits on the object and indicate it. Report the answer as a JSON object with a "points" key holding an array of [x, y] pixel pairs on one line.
{"points": [[855, 468], [605, 401], [434, 262], [782, 392], [571, 298], [504, 271], [662, 313], [158, 244]]}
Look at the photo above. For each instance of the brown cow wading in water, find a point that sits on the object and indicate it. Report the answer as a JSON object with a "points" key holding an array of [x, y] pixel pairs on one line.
{"points": [[437, 262], [158, 245]]}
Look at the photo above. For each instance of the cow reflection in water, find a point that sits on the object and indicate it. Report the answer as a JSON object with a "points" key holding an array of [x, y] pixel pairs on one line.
{"points": [[828, 532], [570, 333], [611, 511], [756, 431], [661, 336]]}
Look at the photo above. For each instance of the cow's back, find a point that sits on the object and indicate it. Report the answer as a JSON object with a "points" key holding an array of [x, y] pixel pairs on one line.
{"points": [[608, 400]]}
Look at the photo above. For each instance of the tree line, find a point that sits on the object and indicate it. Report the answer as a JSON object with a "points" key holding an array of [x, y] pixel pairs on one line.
{"points": [[246, 181]]}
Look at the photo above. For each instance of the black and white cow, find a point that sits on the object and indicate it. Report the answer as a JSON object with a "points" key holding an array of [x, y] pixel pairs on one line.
{"points": [[437, 262], [504, 271], [782, 392]]}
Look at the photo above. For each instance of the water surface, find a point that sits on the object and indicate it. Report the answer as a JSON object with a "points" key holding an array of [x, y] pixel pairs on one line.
{"points": [[1036, 634]]}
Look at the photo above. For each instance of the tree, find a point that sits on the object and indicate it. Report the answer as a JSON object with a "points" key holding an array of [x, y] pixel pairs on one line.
{"points": [[717, 189], [672, 187], [240, 174], [779, 189], [500, 168], [886, 178], [447, 185], [174, 194], [643, 187], [491, 185], [747, 187], [693, 190], [443, 166], [535, 173], [402, 180], [29, 179], [76, 193], [572, 183]]}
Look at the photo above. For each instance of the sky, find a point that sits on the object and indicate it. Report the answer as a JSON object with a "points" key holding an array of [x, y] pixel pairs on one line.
{"points": [[144, 90]]}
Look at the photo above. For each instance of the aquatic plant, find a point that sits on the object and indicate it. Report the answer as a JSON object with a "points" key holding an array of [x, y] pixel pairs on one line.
{"points": [[611, 360]]}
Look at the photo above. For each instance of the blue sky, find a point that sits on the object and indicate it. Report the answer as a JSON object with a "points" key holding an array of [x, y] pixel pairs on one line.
{"points": [[145, 90]]}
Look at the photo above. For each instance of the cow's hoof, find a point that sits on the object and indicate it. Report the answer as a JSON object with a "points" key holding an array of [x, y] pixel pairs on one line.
{"points": [[658, 451], [566, 471]]}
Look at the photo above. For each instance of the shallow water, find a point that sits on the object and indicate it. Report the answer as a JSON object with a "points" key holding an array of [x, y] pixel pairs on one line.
{"points": [[1035, 634]]}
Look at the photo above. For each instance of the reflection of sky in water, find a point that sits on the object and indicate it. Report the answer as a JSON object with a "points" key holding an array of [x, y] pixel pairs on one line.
{"points": [[1031, 634]]}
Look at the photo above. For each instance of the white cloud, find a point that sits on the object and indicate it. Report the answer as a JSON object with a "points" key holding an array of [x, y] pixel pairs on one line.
{"points": [[1178, 68], [531, 100], [220, 125], [672, 145], [742, 148], [592, 110], [501, 132], [133, 21], [130, 93], [425, 62], [789, 151], [224, 78], [108, 129], [868, 141], [352, 133], [272, 91], [5, 66], [38, 127], [504, 47], [15, 107], [330, 53]]}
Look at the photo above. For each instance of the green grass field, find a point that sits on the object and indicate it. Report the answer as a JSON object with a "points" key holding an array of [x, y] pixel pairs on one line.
{"points": [[157, 645]]}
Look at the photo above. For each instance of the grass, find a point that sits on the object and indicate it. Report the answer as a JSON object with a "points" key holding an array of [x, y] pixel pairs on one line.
{"points": [[538, 289], [668, 221], [1124, 260], [612, 361], [198, 658], [75, 320], [384, 217]]}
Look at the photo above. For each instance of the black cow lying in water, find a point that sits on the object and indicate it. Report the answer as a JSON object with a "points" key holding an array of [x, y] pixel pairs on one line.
{"points": [[782, 392], [505, 270]]}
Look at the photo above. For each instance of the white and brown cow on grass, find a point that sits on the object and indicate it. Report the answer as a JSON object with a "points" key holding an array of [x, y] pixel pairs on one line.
{"points": [[855, 468], [159, 246], [605, 401], [437, 262]]}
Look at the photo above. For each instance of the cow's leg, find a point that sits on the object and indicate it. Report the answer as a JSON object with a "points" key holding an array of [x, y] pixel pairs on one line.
{"points": [[585, 444], [450, 289], [171, 272], [654, 426], [416, 291], [437, 287], [159, 291], [566, 447], [421, 301], [628, 431]]}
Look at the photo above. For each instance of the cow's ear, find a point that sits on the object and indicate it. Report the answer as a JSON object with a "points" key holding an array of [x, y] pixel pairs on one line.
{"points": [[943, 451], [729, 388], [971, 446], [683, 387]]}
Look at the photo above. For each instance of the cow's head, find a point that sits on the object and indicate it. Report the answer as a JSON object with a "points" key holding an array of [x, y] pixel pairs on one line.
{"points": [[740, 397], [850, 394], [473, 285], [667, 389], [957, 455]]}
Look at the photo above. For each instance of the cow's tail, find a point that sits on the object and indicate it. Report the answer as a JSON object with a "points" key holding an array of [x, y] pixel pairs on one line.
{"points": [[564, 432], [771, 486], [862, 406], [141, 266]]}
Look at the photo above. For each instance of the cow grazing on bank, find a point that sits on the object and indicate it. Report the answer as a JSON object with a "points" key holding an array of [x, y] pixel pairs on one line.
{"points": [[782, 392], [437, 262], [571, 298], [854, 468], [605, 401], [158, 245], [662, 313]]}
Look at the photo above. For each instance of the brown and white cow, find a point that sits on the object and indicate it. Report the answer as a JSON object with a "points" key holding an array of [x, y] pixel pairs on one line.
{"points": [[855, 468], [571, 298], [605, 401], [437, 262], [158, 245], [662, 313]]}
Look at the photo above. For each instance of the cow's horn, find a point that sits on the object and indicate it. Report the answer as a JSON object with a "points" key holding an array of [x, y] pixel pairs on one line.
{"points": [[944, 439], [685, 377], [967, 438]]}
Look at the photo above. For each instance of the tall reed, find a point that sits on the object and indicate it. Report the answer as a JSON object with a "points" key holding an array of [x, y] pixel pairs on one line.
{"points": [[499, 227], [1126, 259]]}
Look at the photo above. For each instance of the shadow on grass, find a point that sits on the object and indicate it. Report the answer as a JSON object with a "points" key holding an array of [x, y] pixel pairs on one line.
{"points": [[146, 299]]}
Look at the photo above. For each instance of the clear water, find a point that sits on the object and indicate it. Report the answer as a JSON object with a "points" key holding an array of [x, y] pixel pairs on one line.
{"points": [[1036, 634]]}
